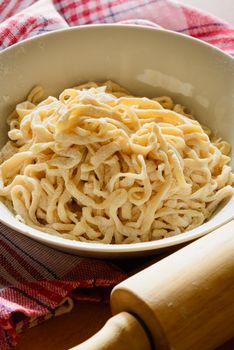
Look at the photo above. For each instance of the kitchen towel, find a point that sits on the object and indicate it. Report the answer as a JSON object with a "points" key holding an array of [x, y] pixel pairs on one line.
{"points": [[37, 282]]}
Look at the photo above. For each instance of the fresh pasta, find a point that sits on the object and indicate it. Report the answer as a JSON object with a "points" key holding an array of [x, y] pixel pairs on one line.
{"points": [[100, 165]]}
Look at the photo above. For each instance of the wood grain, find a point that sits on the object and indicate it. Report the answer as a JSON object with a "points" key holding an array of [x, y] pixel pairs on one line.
{"points": [[67, 331], [64, 332], [188, 293], [122, 331]]}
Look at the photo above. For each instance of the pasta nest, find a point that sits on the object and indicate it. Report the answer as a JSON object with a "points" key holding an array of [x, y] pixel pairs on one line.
{"points": [[100, 165]]}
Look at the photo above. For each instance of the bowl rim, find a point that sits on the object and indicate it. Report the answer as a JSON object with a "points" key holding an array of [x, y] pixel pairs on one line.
{"points": [[122, 26], [99, 248], [80, 246]]}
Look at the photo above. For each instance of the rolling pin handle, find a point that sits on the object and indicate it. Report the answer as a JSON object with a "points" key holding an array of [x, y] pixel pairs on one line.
{"points": [[121, 332], [186, 300]]}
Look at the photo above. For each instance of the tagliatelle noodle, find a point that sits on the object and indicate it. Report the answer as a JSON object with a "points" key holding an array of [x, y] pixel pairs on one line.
{"points": [[100, 165]]}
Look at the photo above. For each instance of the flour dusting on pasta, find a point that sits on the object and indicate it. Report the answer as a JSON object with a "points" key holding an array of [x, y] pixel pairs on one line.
{"points": [[100, 165]]}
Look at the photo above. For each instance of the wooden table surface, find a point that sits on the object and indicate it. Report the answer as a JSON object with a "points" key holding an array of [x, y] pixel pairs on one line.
{"points": [[86, 318], [64, 332]]}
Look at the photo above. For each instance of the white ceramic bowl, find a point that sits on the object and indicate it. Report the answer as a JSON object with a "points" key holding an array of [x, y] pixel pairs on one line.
{"points": [[148, 62]]}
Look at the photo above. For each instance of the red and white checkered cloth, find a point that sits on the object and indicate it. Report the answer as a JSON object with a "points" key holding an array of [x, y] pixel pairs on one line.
{"points": [[37, 282]]}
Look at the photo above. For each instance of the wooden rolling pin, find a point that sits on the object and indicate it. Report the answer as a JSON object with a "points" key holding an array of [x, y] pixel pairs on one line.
{"points": [[183, 302]]}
